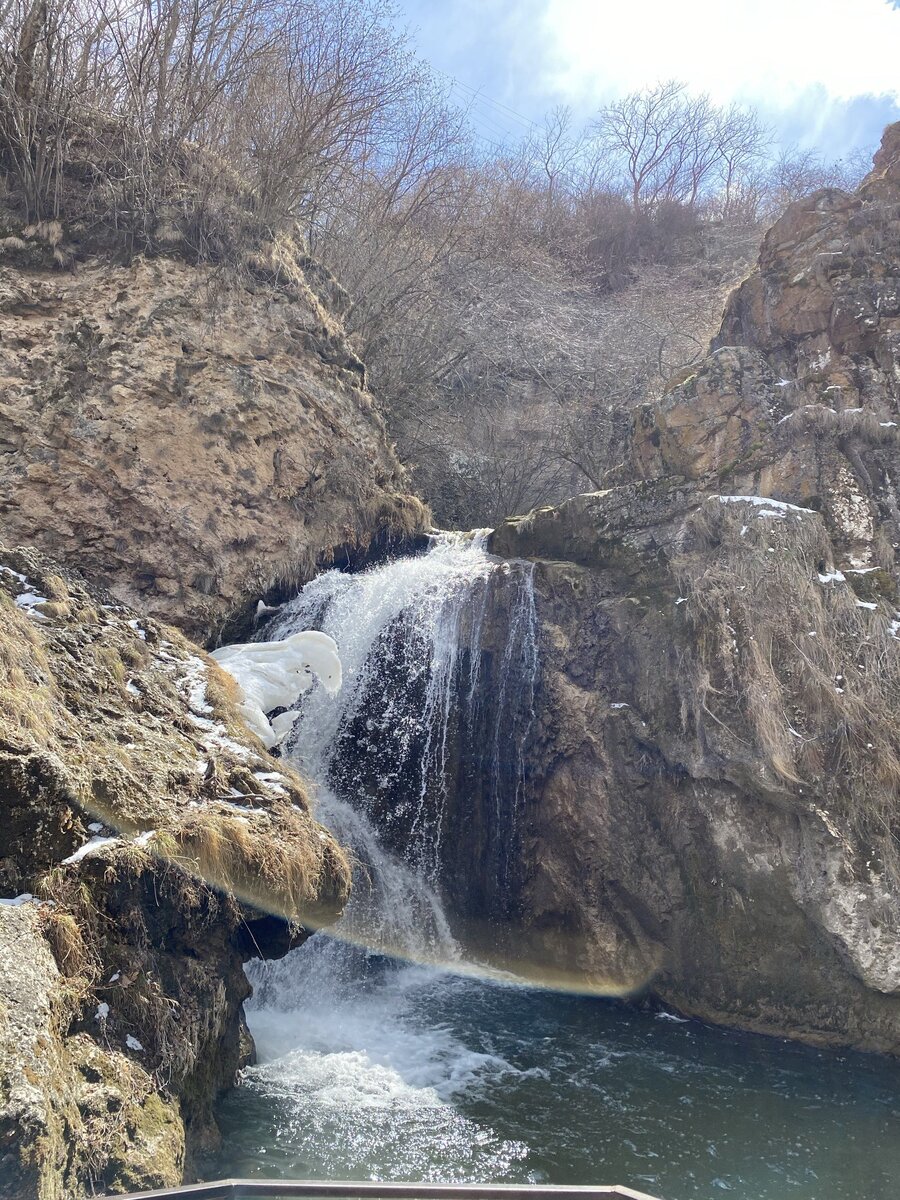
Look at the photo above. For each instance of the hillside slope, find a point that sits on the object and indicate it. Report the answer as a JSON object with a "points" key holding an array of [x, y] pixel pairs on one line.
{"points": [[150, 847]]}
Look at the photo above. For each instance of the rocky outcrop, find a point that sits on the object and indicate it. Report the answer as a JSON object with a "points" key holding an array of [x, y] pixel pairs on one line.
{"points": [[189, 438], [799, 398], [713, 810], [150, 848]]}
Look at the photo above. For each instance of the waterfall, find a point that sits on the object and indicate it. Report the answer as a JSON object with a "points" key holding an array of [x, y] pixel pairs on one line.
{"points": [[421, 639], [418, 766]]}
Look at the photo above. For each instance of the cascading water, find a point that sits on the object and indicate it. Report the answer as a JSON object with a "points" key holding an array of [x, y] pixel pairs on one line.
{"points": [[385, 753], [336, 1026]]}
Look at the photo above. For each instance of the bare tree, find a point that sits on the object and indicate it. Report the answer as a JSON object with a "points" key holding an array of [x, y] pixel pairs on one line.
{"points": [[651, 134]]}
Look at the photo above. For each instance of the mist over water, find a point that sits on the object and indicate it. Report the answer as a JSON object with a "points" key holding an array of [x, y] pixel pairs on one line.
{"points": [[385, 1054]]}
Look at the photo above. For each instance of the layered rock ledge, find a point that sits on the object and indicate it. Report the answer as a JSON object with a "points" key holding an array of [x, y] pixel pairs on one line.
{"points": [[151, 846]]}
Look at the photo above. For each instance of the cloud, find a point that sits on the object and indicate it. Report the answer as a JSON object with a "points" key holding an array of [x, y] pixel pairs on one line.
{"points": [[768, 52], [822, 73]]}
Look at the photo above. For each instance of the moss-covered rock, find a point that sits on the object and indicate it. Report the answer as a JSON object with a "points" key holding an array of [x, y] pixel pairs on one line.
{"points": [[163, 847]]}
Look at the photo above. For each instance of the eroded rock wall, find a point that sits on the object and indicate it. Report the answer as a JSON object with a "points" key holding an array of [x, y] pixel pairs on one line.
{"points": [[188, 437], [714, 803], [150, 847]]}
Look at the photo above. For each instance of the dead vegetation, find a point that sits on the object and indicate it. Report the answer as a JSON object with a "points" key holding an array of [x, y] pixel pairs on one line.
{"points": [[250, 135], [27, 703], [183, 866], [802, 667], [287, 875]]}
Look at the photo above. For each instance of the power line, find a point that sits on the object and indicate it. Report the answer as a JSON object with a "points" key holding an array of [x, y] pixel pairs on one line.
{"points": [[490, 122], [482, 97]]}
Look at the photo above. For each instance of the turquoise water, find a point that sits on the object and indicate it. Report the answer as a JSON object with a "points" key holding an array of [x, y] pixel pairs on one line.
{"points": [[380, 1071]]}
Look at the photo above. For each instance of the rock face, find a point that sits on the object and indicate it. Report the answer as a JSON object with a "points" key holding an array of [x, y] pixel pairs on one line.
{"points": [[714, 802], [188, 440], [150, 848], [799, 399]]}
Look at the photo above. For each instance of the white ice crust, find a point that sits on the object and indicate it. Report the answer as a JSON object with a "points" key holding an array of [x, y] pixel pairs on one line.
{"points": [[273, 674]]}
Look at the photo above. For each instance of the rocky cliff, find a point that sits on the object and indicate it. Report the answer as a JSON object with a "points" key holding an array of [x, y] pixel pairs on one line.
{"points": [[188, 436], [150, 847], [714, 809]]}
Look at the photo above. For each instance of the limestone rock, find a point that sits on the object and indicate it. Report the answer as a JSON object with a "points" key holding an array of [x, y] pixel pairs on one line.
{"points": [[800, 397], [716, 745], [185, 439], [70, 1105], [713, 811]]}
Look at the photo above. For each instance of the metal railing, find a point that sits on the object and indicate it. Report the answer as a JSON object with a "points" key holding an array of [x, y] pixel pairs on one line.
{"points": [[277, 1189]]}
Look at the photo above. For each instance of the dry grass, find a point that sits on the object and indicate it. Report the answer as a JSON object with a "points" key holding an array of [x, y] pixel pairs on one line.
{"points": [[279, 260], [401, 516], [813, 677], [281, 874], [27, 704], [73, 957]]}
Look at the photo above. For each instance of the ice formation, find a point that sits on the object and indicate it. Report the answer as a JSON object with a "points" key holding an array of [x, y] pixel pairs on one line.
{"points": [[273, 674]]}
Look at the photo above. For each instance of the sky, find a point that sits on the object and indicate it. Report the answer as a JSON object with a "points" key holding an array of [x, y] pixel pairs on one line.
{"points": [[824, 74]]}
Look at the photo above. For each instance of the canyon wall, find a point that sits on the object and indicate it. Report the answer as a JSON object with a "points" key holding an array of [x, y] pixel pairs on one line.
{"points": [[714, 801]]}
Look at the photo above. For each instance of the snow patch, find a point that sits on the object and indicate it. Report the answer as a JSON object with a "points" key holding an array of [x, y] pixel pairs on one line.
{"points": [[246, 809], [272, 781], [132, 1043], [832, 577], [766, 502], [102, 1011], [88, 848], [194, 682], [15, 901], [216, 736], [28, 602]]}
